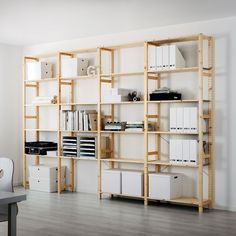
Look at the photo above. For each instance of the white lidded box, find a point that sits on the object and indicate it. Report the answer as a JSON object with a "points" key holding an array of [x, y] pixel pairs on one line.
{"points": [[45, 172], [132, 183], [111, 181], [38, 70], [165, 186], [45, 178], [44, 185], [72, 67]]}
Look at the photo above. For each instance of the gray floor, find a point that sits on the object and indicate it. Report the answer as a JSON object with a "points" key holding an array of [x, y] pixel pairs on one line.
{"points": [[70, 214]]}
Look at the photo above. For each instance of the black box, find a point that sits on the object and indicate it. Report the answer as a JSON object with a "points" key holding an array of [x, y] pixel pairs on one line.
{"points": [[39, 148], [165, 96]]}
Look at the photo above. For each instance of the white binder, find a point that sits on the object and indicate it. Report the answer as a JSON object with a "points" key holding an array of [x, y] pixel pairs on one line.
{"points": [[186, 119], [179, 119], [193, 152], [151, 58], [173, 127], [172, 151], [179, 150], [165, 57], [186, 150], [176, 58], [193, 119], [159, 58]]}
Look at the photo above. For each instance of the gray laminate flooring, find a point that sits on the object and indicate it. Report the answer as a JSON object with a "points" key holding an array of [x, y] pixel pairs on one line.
{"points": [[71, 214]]}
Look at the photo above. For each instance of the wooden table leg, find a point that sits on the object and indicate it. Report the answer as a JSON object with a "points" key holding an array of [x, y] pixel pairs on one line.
{"points": [[12, 212]]}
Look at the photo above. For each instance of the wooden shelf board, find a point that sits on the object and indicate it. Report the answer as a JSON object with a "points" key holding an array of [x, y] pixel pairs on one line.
{"points": [[79, 77], [122, 195], [43, 156], [79, 131], [41, 80], [172, 133], [121, 103], [177, 70], [167, 163], [174, 101], [121, 132], [79, 158], [124, 160], [174, 40], [41, 105], [123, 74], [42, 130], [78, 104]]}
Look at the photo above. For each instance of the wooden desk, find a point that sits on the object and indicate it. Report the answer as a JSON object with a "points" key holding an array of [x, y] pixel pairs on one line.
{"points": [[11, 199]]}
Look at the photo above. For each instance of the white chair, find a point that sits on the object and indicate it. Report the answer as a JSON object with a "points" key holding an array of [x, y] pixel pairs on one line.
{"points": [[6, 183]]}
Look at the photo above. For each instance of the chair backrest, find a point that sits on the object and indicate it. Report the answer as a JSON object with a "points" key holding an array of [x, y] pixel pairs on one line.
{"points": [[6, 174]]}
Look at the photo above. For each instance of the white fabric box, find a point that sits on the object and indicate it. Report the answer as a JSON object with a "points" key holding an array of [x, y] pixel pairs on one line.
{"points": [[132, 183], [165, 186], [115, 98], [46, 172], [38, 70], [72, 67], [111, 181], [44, 185]]}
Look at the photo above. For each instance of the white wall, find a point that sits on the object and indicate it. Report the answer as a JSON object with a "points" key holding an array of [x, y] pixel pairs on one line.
{"points": [[11, 105], [225, 56]]}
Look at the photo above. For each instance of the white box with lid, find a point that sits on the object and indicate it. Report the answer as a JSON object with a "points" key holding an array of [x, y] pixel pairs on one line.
{"points": [[111, 181], [132, 182], [72, 67], [45, 178], [38, 70], [165, 186]]}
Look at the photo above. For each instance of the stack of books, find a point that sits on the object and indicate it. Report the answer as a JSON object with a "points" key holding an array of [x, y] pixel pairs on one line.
{"points": [[80, 120], [113, 95], [132, 126], [69, 146]]}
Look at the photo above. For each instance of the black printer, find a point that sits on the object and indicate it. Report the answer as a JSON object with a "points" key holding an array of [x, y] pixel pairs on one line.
{"points": [[40, 147], [164, 93]]}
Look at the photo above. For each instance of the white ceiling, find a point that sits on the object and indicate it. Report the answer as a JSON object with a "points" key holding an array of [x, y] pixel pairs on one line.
{"points": [[24, 22]]}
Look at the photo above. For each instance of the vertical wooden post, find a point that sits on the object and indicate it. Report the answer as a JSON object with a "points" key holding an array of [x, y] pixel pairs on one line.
{"points": [[210, 112], [99, 124], [59, 118], [158, 136], [200, 120], [145, 123], [24, 122], [37, 161]]}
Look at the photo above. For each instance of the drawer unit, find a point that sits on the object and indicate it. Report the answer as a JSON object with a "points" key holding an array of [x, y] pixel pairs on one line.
{"points": [[45, 172], [44, 185], [132, 183], [165, 186], [111, 181]]}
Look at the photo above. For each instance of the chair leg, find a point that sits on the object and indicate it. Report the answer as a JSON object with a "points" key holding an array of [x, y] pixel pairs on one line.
{"points": [[12, 212]]}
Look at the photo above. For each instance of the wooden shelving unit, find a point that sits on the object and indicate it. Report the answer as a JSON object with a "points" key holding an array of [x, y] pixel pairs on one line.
{"points": [[150, 158]]}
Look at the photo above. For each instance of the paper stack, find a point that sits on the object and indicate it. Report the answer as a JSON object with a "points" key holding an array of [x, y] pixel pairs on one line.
{"points": [[45, 100], [114, 95]]}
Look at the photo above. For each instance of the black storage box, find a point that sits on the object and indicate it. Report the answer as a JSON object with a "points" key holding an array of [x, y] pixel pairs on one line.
{"points": [[39, 148], [165, 96]]}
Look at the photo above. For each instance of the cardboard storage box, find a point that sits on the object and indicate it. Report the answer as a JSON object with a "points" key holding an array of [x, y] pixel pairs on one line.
{"points": [[165, 186], [72, 67], [132, 182], [38, 70], [111, 181]]}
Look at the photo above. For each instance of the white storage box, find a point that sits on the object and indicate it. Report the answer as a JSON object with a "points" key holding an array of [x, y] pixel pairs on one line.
{"points": [[44, 185], [38, 70], [165, 186], [72, 67], [111, 181], [132, 183], [45, 172]]}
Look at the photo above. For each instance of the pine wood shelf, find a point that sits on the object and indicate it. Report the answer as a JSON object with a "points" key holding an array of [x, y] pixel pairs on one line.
{"points": [[143, 76]]}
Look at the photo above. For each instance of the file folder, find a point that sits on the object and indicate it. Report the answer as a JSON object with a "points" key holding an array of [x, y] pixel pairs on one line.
{"points": [[165, 57], [173, 126], [172, 151], [159, 58], [151, 58], [186, 119], [193, 152], [176, 58], [193, 119], [179, 119], [179, 150], [186, 150]]}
